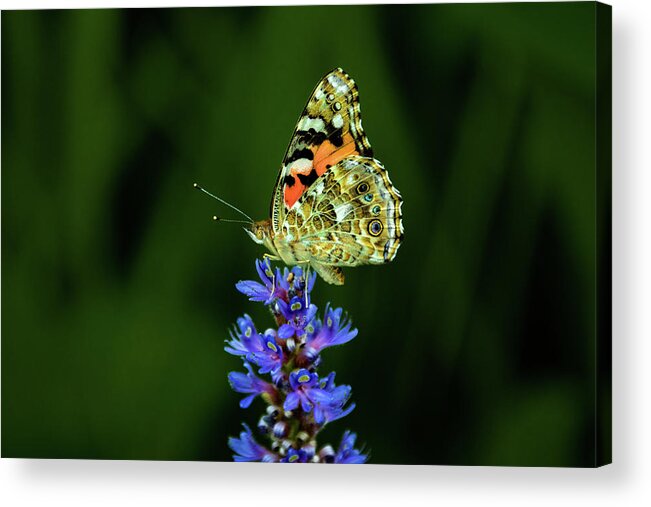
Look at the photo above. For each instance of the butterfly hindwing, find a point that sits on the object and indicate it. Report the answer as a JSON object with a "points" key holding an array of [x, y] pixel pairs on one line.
{"points": [[351, 215], [329, 130]]}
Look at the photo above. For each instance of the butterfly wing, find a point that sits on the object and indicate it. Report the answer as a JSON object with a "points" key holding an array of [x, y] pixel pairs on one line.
{"points": [[350, 216], [329, 130]]}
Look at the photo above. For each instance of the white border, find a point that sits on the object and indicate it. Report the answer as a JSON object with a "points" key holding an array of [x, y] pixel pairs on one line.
{"points": [[627, 482]]}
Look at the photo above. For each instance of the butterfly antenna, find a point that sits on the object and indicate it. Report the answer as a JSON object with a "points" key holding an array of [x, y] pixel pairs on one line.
{"points": [[223, 202], [220, 219]]}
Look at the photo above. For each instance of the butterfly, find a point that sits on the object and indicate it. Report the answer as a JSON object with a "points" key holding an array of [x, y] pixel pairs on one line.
{"points": [[333, 204]]}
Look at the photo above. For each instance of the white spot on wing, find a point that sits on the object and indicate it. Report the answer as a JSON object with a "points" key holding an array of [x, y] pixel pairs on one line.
{"points": [[317, 187], [349, 163], [302, 165], [308, 123], [339, 84], [337, 121], [342, 211]]}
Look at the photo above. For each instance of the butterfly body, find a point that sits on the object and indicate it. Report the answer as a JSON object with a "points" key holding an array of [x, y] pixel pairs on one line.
{"points": [[333, 204]]}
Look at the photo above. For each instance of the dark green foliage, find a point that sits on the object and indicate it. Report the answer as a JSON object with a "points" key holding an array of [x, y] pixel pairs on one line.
{"points": [[476, 345]]}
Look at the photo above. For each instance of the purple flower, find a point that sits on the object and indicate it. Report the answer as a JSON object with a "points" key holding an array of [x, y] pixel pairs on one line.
{"points": [[300, 403], [333, 331], [261, 350], [347, 454], [270, 358], [296, 456], [302, 383], [244, 338], [323, 396], [250, 384], [330, 401], [294, 280], [264, 291], [298, 317], [247, 449]]}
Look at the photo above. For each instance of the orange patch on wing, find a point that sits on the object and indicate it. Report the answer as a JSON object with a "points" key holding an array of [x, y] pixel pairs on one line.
{"points": [[293, 193], [325, 155], [328, 154]]}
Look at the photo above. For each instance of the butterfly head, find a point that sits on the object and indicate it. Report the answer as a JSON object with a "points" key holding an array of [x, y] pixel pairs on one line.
{"points": [[260, 232]]}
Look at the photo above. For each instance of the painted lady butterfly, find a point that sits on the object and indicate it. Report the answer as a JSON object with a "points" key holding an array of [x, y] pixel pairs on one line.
{"points": [[333, 204]]}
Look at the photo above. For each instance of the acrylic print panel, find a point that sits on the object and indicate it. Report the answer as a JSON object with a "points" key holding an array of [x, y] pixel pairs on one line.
{"points": [[449, 260]]}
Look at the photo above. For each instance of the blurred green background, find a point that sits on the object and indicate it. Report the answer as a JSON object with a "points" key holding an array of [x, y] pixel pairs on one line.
{"points": [[476, 345]]}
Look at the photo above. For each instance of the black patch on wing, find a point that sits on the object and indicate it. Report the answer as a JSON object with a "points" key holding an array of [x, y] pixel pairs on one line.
{"points": [[298, 154], [311, 136], [308, 179], [336, 139], [289, 181]]}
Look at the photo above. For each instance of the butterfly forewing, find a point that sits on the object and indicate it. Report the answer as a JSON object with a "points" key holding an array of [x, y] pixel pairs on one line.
{"points": [[329, 130]]}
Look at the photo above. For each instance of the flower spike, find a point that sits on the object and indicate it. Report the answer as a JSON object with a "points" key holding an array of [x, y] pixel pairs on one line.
{"points": [[300, 402]]}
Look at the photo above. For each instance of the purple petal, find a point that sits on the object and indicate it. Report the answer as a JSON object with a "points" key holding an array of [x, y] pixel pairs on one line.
{"points": [[246, 402], [310, 282], [255, 290], [286, 331], [264, 268], [311, 312], [338, 414], [236, 349], [240, 382], [305, 404], [247, 449], [291, 402]]}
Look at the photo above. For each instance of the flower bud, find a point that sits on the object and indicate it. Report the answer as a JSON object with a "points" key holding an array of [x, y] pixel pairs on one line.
{"points": [[280, 429], [327, 454], [285, 446], [302, 437], [263, 425], [309, 451], [273, 412]]}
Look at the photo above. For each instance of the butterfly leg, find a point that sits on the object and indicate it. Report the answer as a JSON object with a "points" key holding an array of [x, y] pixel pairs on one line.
{"points": [[306, 275], [273, 273]]}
